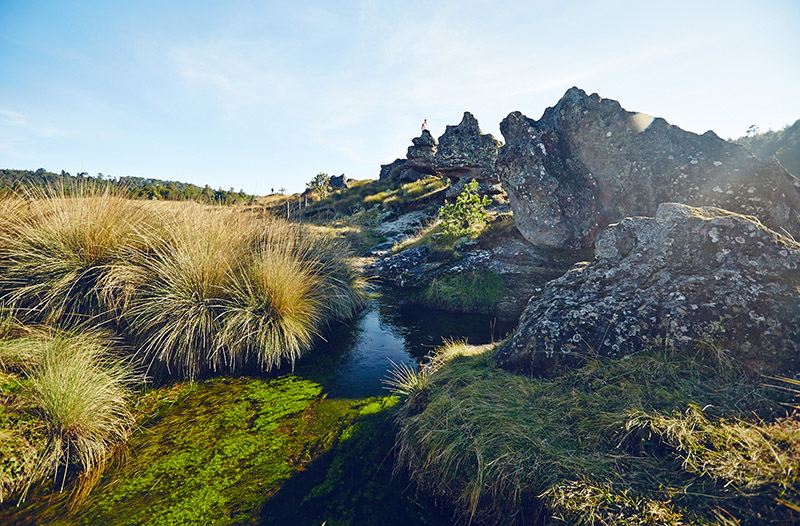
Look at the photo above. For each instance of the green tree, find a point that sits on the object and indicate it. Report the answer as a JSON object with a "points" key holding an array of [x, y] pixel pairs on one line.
{"points": [[467, 213], [320, 184]]}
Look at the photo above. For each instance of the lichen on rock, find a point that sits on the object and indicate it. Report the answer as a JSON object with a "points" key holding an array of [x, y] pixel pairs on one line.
{"points": [[687, 277]]}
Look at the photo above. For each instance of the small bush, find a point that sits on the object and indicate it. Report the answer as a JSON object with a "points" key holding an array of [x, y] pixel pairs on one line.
{"points": [[467, 213]]}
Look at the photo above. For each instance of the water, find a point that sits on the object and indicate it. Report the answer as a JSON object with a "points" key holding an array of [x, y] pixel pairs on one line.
{"points": [[390, 331], [246, 450]]}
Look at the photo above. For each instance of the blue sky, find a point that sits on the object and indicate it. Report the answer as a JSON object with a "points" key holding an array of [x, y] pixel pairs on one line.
{"points": [[256, 95]]}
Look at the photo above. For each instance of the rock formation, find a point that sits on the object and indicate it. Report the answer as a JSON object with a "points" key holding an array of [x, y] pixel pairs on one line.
{"points": [[464, 153], [418, 162], [522, 266], [688, 276], [393, 169], [338, 182], [588, 163], [421, 153]]}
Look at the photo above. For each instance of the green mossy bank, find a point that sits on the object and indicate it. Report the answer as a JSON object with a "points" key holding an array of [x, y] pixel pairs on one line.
{"points": [[236, 451]]}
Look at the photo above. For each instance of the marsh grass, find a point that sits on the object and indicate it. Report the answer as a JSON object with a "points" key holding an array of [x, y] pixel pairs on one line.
{"points": [[56, 248], [467, 291], [222, 289], [79, 393], [654, 438], [195, 288]]}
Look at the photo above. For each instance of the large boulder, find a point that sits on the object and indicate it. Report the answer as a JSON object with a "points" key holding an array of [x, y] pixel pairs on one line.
{"points": [[588, 163], [687, 277], [464, 153]]}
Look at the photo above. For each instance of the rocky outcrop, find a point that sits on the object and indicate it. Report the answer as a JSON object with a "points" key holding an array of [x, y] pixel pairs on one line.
{"points": [[588, 163], [464, 153], [338, 182], [421, 153], [687, 276], [418, 162], [523, 267], [393, 169]]}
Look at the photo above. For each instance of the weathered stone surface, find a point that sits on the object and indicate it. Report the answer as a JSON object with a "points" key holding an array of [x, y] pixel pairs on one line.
{"points": [[464, 153], [421, 154], [523, 267], [393, 169], [338, 182], [409, 268], [588, 163], [687, 276]]}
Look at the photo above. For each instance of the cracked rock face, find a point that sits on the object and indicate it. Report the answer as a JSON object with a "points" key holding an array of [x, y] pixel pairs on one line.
{"points": [[686, 277], [464, 153], [588, 163]]}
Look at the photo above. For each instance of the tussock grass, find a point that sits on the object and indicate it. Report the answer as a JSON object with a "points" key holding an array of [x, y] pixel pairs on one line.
{"points": [[650, 439], [56, 249], [80, 394], [196, 288], [221, 289]]}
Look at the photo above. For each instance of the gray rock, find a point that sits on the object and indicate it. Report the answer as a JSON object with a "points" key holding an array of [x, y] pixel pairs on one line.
{"points": [[393, 169], [464, 153], [421, 154], [688, 276], [409, 268], [588, 163], [338, 182]]}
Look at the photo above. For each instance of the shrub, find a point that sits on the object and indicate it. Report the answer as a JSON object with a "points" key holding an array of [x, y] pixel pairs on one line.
{"points": [[320, 184], [467, 213]]}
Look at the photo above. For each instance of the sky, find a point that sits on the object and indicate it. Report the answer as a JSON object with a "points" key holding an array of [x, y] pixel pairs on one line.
{"points": [[256, 95]]}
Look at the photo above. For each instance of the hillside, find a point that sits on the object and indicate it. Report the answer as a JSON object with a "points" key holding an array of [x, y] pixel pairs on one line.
{"points": [[783, 145]]}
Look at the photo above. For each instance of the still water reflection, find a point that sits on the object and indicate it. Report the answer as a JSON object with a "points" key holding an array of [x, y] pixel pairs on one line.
{"points": [[392, 330]]}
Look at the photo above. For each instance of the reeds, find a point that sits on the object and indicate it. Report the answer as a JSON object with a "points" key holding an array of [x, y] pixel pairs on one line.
{"points": [[56, 249], [221, 290]]}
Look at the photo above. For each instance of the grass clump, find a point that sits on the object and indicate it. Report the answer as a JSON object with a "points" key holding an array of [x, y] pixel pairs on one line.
{"points": [[616, 442], [56, 249], [468, 291], [77, 393], [221, 290], [195, 288]]}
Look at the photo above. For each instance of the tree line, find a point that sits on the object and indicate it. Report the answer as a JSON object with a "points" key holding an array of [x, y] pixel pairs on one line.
{"points": [[784, 145], [14, 181]]}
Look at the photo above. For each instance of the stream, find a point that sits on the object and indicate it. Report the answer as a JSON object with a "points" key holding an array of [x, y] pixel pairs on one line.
{"points": [[303, 447]]}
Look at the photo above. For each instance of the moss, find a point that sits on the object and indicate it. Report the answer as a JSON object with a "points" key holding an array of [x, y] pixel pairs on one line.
{"points": [[213, 452], [354, 484]]}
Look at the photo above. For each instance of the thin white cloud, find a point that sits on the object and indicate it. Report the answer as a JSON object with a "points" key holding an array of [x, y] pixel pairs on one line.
{"points": [[10, 118]]}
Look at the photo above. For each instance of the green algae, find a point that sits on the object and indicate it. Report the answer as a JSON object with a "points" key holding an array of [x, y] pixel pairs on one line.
{"points": [[212, 454]]}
